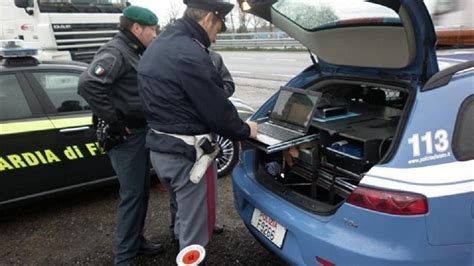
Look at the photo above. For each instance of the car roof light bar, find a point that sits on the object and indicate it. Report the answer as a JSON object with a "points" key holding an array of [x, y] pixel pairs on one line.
{"points": [[15, 48]]}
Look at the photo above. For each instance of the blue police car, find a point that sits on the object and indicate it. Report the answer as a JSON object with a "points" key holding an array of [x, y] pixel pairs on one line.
{"points": [[388, 176]]}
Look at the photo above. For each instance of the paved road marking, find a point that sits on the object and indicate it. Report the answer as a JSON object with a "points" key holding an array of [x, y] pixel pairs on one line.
{"points": [[242, 58], [239, 72], [283, 75], [283, 59]]}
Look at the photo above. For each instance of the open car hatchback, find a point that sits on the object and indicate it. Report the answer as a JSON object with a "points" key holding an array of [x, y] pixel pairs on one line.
{"points": [[389, 179]]}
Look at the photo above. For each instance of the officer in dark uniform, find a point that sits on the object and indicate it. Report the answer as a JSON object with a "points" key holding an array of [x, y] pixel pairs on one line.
{"points": [[183, 98], [229, 88], [109, 85]]}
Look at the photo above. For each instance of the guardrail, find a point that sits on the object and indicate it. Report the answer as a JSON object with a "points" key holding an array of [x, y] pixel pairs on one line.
{"points": [[256, 40]]}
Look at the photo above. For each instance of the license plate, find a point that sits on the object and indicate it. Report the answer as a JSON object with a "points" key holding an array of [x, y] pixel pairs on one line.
{"points": [[268, 227]]}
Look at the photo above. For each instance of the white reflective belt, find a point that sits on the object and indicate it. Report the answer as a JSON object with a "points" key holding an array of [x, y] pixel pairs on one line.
{"points": [[188, 139], [203, 161]]}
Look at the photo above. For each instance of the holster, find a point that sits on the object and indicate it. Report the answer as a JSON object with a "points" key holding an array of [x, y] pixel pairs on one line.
{"points": [[204, 157]]}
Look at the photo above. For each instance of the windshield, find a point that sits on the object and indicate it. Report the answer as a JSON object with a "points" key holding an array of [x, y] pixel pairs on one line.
{"points": [[313, 15], [81, 6]]}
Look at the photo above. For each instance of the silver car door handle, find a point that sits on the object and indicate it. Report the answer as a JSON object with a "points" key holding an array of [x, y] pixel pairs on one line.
{"points": [[73, 129]]}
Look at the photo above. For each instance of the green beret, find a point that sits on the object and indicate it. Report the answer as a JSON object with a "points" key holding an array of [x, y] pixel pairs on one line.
{"points": [[140, 15]]}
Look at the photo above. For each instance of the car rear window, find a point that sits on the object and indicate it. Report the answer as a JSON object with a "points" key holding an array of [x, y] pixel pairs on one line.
{"points": [[312, 15], [463, 142], [13, 103]]}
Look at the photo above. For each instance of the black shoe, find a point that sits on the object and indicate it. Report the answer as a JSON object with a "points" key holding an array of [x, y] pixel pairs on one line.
{"points": [[149, 248], [218, 229]]}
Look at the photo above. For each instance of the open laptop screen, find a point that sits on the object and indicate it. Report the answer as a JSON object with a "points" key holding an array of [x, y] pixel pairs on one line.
{"points": [[295, 106]]}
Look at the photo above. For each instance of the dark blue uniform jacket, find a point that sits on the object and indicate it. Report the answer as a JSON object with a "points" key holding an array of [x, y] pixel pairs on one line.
{"points": [[182, 92]]}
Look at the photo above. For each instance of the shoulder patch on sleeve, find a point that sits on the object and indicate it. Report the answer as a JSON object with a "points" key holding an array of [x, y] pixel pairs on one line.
{"points": [[99, 71], [105, 68]]}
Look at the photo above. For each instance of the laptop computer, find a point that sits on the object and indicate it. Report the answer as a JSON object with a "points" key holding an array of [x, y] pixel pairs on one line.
{"points": [[290, 117]]}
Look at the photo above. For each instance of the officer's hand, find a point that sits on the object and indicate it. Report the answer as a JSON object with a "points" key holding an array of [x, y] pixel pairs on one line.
{"points": [[253, 129], [118, 129]]}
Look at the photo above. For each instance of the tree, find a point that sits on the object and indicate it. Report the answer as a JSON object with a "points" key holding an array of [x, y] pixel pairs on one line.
{"points": [[232, 23], [173, 14], [257, 22], [233, 16], [244, 20]]}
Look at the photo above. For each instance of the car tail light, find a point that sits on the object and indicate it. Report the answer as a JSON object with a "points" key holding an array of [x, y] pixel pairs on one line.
{"points": [[324, 262], [399, 203]]}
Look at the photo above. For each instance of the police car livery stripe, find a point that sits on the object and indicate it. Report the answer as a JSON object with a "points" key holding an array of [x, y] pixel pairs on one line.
{"points": [[43, 124], [72, 122], [431, 181], [26, 126]]}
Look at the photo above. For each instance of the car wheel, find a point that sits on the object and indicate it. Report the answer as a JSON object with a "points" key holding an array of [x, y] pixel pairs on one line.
{"points": [[228, 157]]}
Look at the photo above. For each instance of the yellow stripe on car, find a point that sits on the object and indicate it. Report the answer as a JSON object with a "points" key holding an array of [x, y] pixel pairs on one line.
{"points": [[43, 124], [25, 126], [72, 121]]}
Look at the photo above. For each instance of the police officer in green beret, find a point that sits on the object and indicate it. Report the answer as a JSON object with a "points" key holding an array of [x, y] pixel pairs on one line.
{"points": [[109, 85]]}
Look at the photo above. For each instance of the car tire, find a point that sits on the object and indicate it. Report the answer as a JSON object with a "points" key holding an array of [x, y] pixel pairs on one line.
{"points": [[228, 157]]}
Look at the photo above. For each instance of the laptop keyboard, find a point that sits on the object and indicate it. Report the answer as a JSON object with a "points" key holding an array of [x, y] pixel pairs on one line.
{"points": [[277, 132]]}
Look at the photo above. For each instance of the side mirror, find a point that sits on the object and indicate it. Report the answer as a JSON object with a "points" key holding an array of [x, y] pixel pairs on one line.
{"points": [[23, 3]]}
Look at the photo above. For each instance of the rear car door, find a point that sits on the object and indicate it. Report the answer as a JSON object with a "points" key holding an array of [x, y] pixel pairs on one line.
{"points": [[30, 161], [71, 117]]}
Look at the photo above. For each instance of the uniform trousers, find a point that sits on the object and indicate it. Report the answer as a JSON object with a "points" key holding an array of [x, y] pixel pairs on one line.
{"points": [[130, 161], [193, 206]]}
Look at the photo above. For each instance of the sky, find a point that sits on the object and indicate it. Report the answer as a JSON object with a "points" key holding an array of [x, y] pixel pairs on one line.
{"points": [[162, 8]]}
